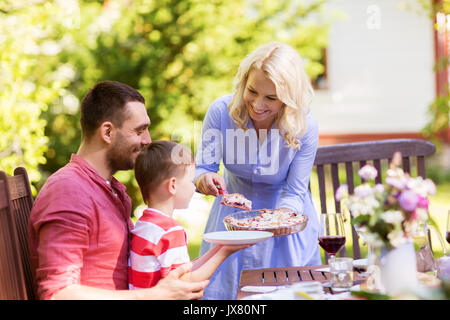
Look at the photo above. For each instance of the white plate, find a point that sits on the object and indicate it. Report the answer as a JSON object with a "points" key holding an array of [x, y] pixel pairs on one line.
{"points": [[360, 263], [237, 237]]}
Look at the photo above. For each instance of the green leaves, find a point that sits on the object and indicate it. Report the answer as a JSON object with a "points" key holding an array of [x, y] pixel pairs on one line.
{"points": [[180, 54], [29, 80]]}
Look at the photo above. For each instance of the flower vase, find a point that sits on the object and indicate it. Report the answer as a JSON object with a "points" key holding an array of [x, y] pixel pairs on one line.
{"points": [[398, 269]]}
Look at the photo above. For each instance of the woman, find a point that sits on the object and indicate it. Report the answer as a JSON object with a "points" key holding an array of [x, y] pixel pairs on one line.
{"points": [[267, 140]]}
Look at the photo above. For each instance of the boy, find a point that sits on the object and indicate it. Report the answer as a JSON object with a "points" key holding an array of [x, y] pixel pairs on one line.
{"points": [[165, 173]]}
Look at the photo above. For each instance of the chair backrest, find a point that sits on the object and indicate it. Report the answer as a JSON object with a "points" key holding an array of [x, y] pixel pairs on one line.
{"points": [[350, 157], [17, 201]]}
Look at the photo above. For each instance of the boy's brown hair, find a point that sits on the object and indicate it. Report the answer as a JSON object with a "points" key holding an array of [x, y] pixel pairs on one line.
{"points": [[159, 161]]}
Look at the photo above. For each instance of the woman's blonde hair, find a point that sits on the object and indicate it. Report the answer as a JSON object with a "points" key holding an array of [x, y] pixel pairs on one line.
{"points": [[284, 67]]}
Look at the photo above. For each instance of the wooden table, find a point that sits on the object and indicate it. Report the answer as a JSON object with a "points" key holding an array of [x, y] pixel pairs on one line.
{"points": [[286, 276]]}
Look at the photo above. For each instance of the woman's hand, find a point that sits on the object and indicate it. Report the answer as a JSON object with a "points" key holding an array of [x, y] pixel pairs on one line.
{"points": [[206, 183]]}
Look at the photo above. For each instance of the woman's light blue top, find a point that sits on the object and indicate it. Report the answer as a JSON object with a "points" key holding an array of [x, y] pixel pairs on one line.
{"points": [[272, 176]]}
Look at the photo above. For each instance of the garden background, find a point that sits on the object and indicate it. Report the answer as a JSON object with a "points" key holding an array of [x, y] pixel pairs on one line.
{"points": [[180, 54]]}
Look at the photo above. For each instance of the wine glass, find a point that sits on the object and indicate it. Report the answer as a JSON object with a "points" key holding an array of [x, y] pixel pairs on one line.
{"points": [[331, 234]]}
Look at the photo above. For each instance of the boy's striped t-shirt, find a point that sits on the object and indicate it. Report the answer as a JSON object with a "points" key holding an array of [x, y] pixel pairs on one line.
{"points": [[158, 245]]}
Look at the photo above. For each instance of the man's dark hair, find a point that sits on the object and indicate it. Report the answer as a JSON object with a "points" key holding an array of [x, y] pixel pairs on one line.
{"points": [[106, 102], [159, 161]]}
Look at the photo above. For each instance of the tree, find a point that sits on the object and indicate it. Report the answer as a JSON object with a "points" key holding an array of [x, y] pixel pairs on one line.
{"points": [[31, 77], [180, 54]]}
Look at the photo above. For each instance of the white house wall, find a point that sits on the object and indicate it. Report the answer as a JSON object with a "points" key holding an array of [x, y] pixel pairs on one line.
{"points": [[380, 69]]}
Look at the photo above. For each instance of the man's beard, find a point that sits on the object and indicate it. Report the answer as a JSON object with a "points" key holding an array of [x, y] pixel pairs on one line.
{"points": [[120, 157]]}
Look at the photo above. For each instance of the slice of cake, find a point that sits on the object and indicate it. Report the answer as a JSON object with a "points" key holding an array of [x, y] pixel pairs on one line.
{"points": [[237, 200]]}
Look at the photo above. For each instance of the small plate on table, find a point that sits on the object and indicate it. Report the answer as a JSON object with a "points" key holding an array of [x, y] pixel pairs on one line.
{"points": [[237, 237]]}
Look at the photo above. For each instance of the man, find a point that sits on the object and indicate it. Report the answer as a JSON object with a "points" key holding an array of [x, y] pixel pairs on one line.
{"points": [[80, 223]]}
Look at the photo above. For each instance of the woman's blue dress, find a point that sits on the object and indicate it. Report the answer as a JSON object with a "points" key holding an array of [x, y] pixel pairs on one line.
{"points": [[272, 176]]}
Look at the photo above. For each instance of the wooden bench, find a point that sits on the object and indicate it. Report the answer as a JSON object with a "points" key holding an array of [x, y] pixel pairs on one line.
{"points": [[353, 156], [16, 200]]}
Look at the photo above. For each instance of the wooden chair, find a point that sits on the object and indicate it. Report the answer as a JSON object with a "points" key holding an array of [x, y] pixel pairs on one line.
{"points": [[353, 156], [16, 200]]}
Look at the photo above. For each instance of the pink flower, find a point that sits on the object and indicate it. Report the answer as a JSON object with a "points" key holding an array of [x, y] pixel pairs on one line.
{"points": [[423, 202], [368, 172], [419, 214], [363, 190], [408, 200], [398, 183], [341, 192]]}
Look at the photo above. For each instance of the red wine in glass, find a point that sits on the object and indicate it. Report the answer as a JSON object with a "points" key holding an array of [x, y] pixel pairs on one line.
{"points": [[332, 244], [331, 233]]}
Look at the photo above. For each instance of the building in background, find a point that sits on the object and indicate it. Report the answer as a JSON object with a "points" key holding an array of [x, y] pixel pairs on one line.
{"points": [[380, 79]]}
